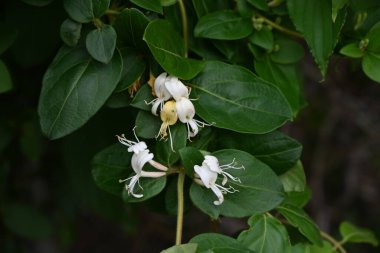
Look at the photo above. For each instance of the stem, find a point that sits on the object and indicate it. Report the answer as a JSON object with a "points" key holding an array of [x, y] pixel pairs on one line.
{"points": [[112, 12], [280, 28], [337, 245], [184, 24], [181, 182]]}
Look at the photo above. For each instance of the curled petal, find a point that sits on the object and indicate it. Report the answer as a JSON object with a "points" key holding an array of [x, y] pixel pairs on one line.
{"points": [[156, 104], [207, 176], [130, 187], [218, 194], [212, 162], [159, 87], [176, 88], [194, 129], [140, 159]]}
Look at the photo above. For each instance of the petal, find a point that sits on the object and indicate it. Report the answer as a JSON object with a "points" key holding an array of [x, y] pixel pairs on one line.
{"points": [[185, 110], [218, 194], [140, 159], [155, 106], [213, 163], [194, 128], [131, 186], [176, 88], [207, 176], [159, 87], [138, 147]]}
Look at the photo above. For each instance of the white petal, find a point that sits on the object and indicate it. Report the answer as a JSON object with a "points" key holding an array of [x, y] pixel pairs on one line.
{"points": [[176, 88], [140, 159], [138, 147], [194, 128], [131, 186], [213, 163], [159, 87], [155, 106], [185, 110], [218, 194], [207, 176]]}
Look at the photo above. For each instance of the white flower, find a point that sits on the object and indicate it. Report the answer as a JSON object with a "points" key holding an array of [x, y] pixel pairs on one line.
{"points": [[186, 113], [169, 117], [161, 92], [213, 163], [133, 146], [176, 88]]}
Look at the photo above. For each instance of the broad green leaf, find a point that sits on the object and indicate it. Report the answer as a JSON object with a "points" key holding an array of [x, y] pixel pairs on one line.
{"points": [[353, 234], [147, 125], [210, 242], [5, 78], [326, 247], [286, 77], [8, 36], [168, 49], [130, 25], [109, 166], [142, 98], [84, 11], [133, 68], [313, 18], [234, 98], [275, 149], [289, 51], [263, 38], [254, 195], [167, 2], [352, 50], [190, 157], [299, 219], [294, 180], [203, 138], [164, 152], [300, 248], [150, 187], [265, 235], [25, 221], [203, 7], [73, 90], [70, 32], [299, 199], [183, 248], [371, 65], [373, 37], [259, 4], [223, 25], [151, 5], [101, 43], [38, 3]]}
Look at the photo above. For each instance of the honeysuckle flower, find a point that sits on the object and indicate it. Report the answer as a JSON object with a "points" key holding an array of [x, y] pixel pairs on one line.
{"points": [[169, 117], [138, 161], [176, 88], [161, 92], [213, 163], [186, 113]]}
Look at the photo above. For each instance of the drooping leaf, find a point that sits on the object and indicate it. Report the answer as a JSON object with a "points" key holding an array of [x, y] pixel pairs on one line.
{"points": [[74, 88], [275, 149], [168, 49], [5, 78], [84, 11], [234, 98], [183, 248], [299, 219], [371, 65], [70, 32], [223, 25], [294, 180], [213, 242], [265, 235], [254, 195], [151, 5], [101, 43], [353, 234]]}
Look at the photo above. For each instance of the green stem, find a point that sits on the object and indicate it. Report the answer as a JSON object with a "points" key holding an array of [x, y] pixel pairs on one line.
{"points": [[181, 182], [112, 12], [337, 245], [280, 28], [184, 24]]}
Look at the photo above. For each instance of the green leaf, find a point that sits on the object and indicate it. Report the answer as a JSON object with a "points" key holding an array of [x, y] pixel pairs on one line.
{"points": [[275, 149], [313, 19], [130, 25], [190, 157], [109, 166], [254, 195], [150, 187], [101, 43], [265, 235], [164, 152], [234, 98], [168, 49], [352, 50], [5, 78], [263, 38], [325, 247], [70, 32], [289, 51], [299, 219], [38, 3], [147, 125], [73, 90], [294, 179], [286, 77], [150, 5], [8, 36], [203, 7], [371, 65], [84, 11], [353, 234], [167, 2], [133, 68], [223, 25], [183, 248], [142, 97], [336, 6], [373, 37], [259, 4], [299, 199], [25, 221], [211, 242]]}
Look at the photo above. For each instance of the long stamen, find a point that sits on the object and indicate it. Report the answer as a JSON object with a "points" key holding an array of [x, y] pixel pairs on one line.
{"points": [[134, 133]]}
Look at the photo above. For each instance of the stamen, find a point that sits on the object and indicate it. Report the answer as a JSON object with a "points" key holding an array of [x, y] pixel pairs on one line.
{"points": [[134, 133]]}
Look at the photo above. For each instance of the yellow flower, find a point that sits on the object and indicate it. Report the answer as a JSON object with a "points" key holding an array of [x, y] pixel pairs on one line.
{"points": [[169, 117]]}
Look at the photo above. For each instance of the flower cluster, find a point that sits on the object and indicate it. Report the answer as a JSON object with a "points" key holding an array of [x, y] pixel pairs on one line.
{"points": [[174, 103], [141, 156], [207, 174]]}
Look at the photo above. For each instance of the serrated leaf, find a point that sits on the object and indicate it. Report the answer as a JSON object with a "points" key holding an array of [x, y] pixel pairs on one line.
{"points": [[5, 78], [223, 25], [151, 5], [294, 180], [299, 219], [84, 11], [254, 195], [352, 50], [70, 32], [73, 90], [183, 248], [147, 125], [353, 234], [101, 43], [234, 98], [371, 65], [265, 235], [168, 49], [213, 242]]}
